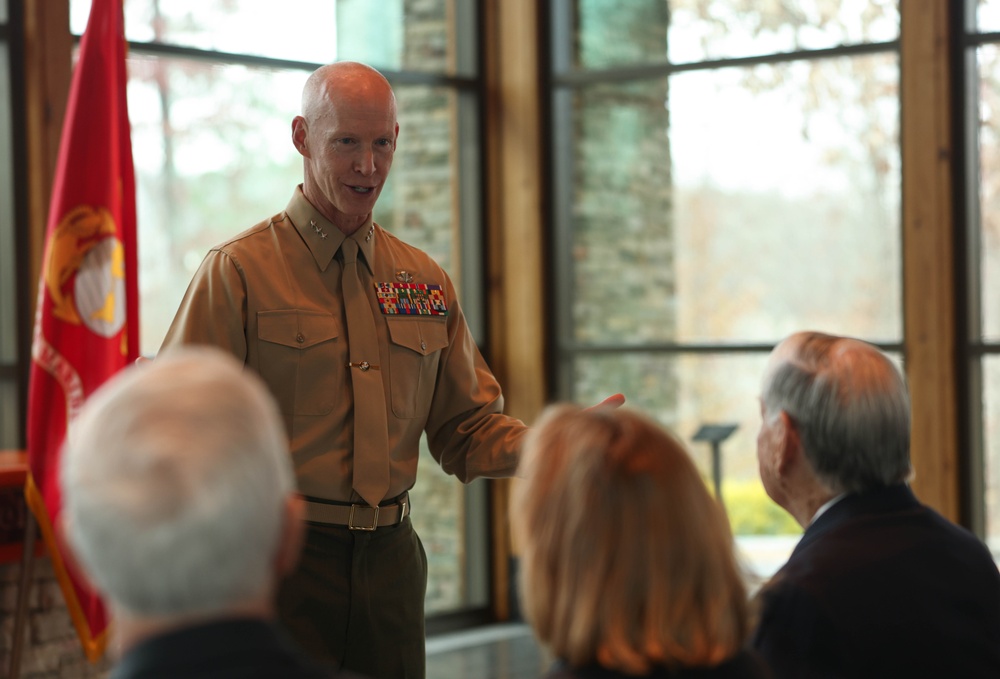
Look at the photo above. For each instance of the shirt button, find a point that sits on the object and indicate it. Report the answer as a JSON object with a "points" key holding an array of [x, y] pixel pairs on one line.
{"points": [[300, 338]]}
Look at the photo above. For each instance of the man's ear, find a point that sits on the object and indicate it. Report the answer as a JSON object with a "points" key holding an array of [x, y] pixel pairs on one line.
{"points": [[789, 448], [299, 130], [292, 535]]}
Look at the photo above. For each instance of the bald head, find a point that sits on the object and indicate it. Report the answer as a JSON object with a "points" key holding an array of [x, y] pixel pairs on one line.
{"points": [[849, 404], [344, 81]]}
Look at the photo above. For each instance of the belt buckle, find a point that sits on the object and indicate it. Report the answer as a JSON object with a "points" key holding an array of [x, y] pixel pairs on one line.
{"points": [[374, 524]]}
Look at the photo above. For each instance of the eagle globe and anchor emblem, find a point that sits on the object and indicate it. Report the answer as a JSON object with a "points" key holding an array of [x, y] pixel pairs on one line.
{"points": [[84, 271]]}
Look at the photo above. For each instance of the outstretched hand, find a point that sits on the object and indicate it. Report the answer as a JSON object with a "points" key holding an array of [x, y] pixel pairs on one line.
{"points": [[613, 401]]}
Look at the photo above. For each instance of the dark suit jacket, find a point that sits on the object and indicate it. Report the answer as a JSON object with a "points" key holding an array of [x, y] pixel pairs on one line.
{"points": [[882, 586], [238, 648]]}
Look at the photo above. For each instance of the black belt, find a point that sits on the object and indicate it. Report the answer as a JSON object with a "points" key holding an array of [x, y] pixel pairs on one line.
{"points": [[359, 517]]}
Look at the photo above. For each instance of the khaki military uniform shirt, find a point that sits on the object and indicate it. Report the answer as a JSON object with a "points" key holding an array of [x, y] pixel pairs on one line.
{"points": [[272, 297]]}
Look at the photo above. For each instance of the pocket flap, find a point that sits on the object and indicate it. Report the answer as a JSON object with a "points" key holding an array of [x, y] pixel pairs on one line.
{"points": [[424, 335], [297, 329]]}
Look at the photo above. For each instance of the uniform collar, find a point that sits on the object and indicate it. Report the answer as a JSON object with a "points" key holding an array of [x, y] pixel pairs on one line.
{"points": [[365, 238], [323, 238]]}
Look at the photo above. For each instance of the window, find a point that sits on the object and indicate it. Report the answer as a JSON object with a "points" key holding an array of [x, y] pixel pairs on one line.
{"points": [[982, 124], [11, 414], [725, 174], [213, 87]]}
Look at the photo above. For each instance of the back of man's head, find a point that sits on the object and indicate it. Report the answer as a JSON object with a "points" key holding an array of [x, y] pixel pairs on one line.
{"points": [[850, 406], [174, 480]]}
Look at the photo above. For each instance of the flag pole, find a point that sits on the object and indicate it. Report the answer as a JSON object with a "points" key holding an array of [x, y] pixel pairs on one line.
{"points": [[23, 593]]}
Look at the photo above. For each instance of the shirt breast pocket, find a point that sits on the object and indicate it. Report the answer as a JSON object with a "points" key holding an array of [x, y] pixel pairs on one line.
{"points": [[414, 352], [301, 359]]}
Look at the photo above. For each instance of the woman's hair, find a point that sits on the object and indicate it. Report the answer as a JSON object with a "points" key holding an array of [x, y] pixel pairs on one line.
{"points": [[627, 561]]}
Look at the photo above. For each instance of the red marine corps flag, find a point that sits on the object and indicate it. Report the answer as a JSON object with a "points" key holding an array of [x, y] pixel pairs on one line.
{"points": [[86, 323]]}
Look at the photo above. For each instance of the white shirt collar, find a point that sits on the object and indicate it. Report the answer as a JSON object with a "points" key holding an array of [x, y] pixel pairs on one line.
{"points": [[826, 505]]}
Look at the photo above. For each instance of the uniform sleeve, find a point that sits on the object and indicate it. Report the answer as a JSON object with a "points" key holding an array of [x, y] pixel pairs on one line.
{"points": [[467, 432], [213, 310]]}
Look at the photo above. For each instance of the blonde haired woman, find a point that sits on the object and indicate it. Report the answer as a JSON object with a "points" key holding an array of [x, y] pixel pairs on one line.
{"points": [[627, 567]]}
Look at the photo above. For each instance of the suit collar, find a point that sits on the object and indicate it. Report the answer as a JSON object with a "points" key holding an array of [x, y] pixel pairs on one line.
{"points": [[876, 501]]}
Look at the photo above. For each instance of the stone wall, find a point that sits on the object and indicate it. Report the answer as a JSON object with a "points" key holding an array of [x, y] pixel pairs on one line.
{"points": [[426, 185], [622, 252]]}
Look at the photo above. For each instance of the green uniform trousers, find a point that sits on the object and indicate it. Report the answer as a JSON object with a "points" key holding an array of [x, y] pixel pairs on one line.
{"points": [[356, 600]]}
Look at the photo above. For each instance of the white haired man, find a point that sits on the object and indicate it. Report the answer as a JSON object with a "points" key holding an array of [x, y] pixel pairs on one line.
{"points": [[879, 585], [180, 506]]}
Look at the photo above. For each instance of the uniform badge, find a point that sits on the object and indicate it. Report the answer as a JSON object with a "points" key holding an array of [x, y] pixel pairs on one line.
{"points": [[411, 299]]}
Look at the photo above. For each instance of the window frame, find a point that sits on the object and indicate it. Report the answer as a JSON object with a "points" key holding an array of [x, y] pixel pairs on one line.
{"points": [[15, 374], [946, 474], [973, 348], [564, 79]]}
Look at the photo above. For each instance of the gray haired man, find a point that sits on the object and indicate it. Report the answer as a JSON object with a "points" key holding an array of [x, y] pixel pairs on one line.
{"points": [[879, 585]]}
